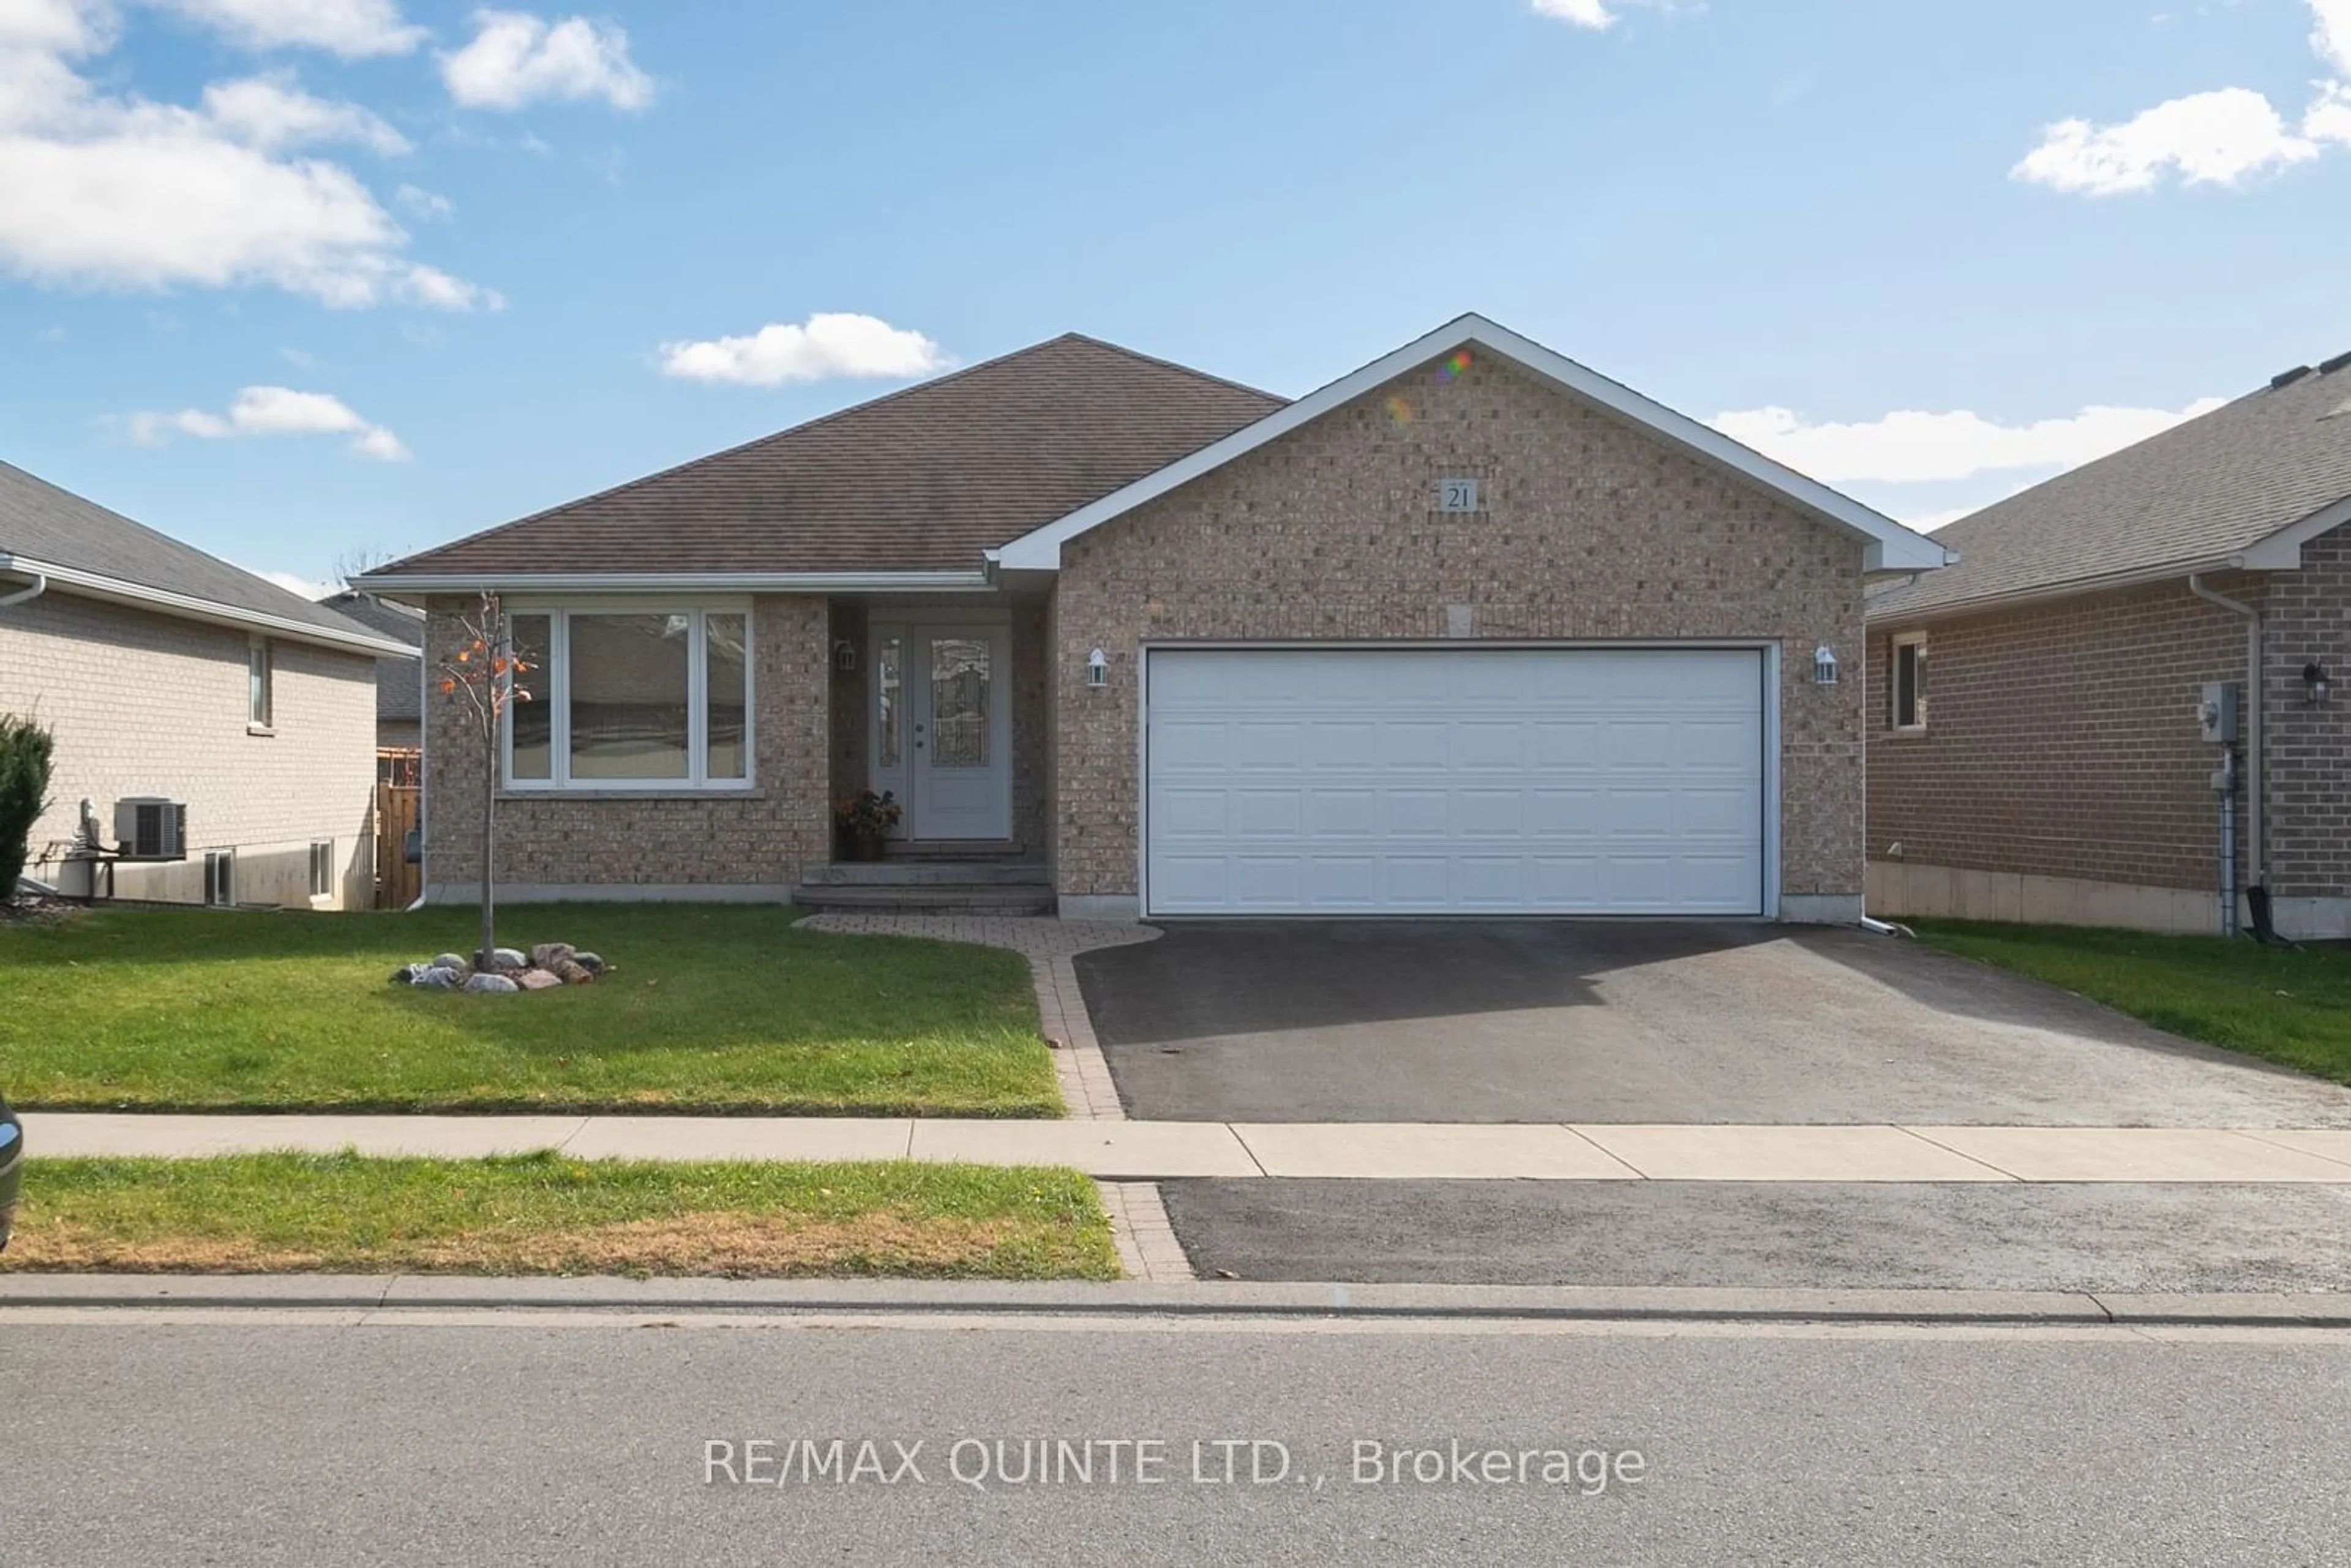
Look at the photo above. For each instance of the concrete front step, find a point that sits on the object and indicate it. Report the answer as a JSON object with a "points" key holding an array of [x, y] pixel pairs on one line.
{"points": [[952, 849], [929, 898], [928, 873]]}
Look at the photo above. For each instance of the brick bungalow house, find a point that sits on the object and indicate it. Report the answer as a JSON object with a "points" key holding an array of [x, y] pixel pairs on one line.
{"points": [[167, 674], [2036, 750], [1470, 630]]}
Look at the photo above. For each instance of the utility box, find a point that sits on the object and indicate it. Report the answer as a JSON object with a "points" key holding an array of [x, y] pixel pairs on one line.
{"points": [[2216, 713]]}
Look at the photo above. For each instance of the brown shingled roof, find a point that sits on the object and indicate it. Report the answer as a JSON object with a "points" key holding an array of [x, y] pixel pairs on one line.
{"points": [[922, 479], [2195, 494]]}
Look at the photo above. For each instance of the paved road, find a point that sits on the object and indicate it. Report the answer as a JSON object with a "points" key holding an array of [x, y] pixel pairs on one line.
{"points": [[1823, 1235], [253, 1443], [1624, 1021]]}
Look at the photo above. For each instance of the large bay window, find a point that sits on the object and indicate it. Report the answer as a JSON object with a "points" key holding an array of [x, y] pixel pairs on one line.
{"points": [[628, 696]]}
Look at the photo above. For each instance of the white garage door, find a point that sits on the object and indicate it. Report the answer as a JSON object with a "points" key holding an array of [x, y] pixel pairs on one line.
{"points": [[1426, 781]]}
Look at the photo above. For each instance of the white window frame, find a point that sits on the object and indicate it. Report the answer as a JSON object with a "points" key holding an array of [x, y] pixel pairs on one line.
{"points": [[322, 868], [556, 678], [220, 879], [261, 694], [1895, 646]]}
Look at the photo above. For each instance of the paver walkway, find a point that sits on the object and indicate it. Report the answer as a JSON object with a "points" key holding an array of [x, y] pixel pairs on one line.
{"points": [[1049, 944], [1151, 1151]]}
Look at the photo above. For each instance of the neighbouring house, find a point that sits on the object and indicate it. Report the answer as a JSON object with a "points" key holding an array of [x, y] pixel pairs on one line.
{"points": [[1472, 629], [2039, 745], [399, 680], [241, 715]]}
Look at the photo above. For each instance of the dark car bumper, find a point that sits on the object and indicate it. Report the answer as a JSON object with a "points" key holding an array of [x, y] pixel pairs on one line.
{"points": [[12, 1170]]}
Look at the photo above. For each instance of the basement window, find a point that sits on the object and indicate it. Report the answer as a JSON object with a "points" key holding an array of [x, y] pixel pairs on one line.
{"points": [[322, 868], [220, 877], [1906, 681], [628, 697]]}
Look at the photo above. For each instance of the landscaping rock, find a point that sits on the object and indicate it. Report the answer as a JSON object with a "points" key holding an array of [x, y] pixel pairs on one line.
{"points": [[491, 983], [406, 974], [589, 962], [537, 980], [434, 977], [545, 954], [508, 959], [451, 961], [572, 972]]}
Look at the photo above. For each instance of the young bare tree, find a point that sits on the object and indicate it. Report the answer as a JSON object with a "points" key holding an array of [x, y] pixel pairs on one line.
{"points": [[482, 676]]}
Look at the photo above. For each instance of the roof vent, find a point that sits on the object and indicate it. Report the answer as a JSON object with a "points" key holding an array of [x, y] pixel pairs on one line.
{"points": [[2329, 367], [2286, 378]]}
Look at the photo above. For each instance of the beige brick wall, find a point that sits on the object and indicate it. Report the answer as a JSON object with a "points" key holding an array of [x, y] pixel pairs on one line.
{"points": [[752, 840], [1592, 531], [149, 705]]}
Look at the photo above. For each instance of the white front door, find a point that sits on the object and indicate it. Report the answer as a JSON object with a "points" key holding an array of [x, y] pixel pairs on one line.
{"points": [[942, 738]]}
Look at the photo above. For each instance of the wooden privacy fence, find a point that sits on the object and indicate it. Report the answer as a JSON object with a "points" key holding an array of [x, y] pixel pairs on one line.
{"points": [[398, 879]]}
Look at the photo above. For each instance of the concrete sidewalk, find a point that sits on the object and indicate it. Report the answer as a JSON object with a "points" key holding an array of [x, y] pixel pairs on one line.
{"points": [[1153, 1151]]}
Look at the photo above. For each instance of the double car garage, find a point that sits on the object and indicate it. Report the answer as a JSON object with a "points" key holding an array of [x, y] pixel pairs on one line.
{"points": [[1458, 780]]}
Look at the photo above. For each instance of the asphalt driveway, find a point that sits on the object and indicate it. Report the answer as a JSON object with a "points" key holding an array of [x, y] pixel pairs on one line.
{"points": [[1632, 1021]]}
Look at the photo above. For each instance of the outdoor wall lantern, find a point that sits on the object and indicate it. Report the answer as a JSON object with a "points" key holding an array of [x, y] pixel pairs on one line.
{"points": [[1098, 669], [844, 657], [1823, 666], [2315, 683]]}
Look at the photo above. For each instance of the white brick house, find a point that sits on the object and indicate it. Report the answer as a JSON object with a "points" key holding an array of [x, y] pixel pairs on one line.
{"points": [[163, 673]]}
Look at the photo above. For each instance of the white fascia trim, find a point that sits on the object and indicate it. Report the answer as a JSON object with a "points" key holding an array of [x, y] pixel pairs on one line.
{"points": [[1891, 546], [91, 585], [398, 583], [2281, 551]]}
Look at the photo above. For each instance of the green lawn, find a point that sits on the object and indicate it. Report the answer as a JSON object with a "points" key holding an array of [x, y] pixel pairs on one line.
{"points": [[2291, 1007], [542, 1214], [711, 1009]]}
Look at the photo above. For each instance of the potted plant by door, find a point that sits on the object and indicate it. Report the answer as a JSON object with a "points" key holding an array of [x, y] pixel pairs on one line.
{"points": [[865, 821]]}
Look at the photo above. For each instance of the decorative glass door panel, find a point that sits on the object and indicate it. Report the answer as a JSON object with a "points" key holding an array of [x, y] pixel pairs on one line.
{"points": [[943, 733]]}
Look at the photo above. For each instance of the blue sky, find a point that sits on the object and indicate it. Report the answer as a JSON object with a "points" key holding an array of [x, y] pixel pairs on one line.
{"points": [[305, 281]]}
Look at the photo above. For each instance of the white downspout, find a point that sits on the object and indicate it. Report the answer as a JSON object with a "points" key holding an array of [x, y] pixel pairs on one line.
{"points": [[27, 595], [2256, 776]]}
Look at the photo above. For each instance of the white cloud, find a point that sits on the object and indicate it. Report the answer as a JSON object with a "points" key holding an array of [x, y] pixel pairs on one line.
{"points": [[272, 410], [422, 285], [517, 58], [829, 345], [300, 359], [1597, 15], [2329, 118], [1592, 13], [294, 582], [423, 203], [2220, 138], [2224, 137], [271, 113], [351, 28], [1911, 447], [120, 191], [2332, 35]]}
